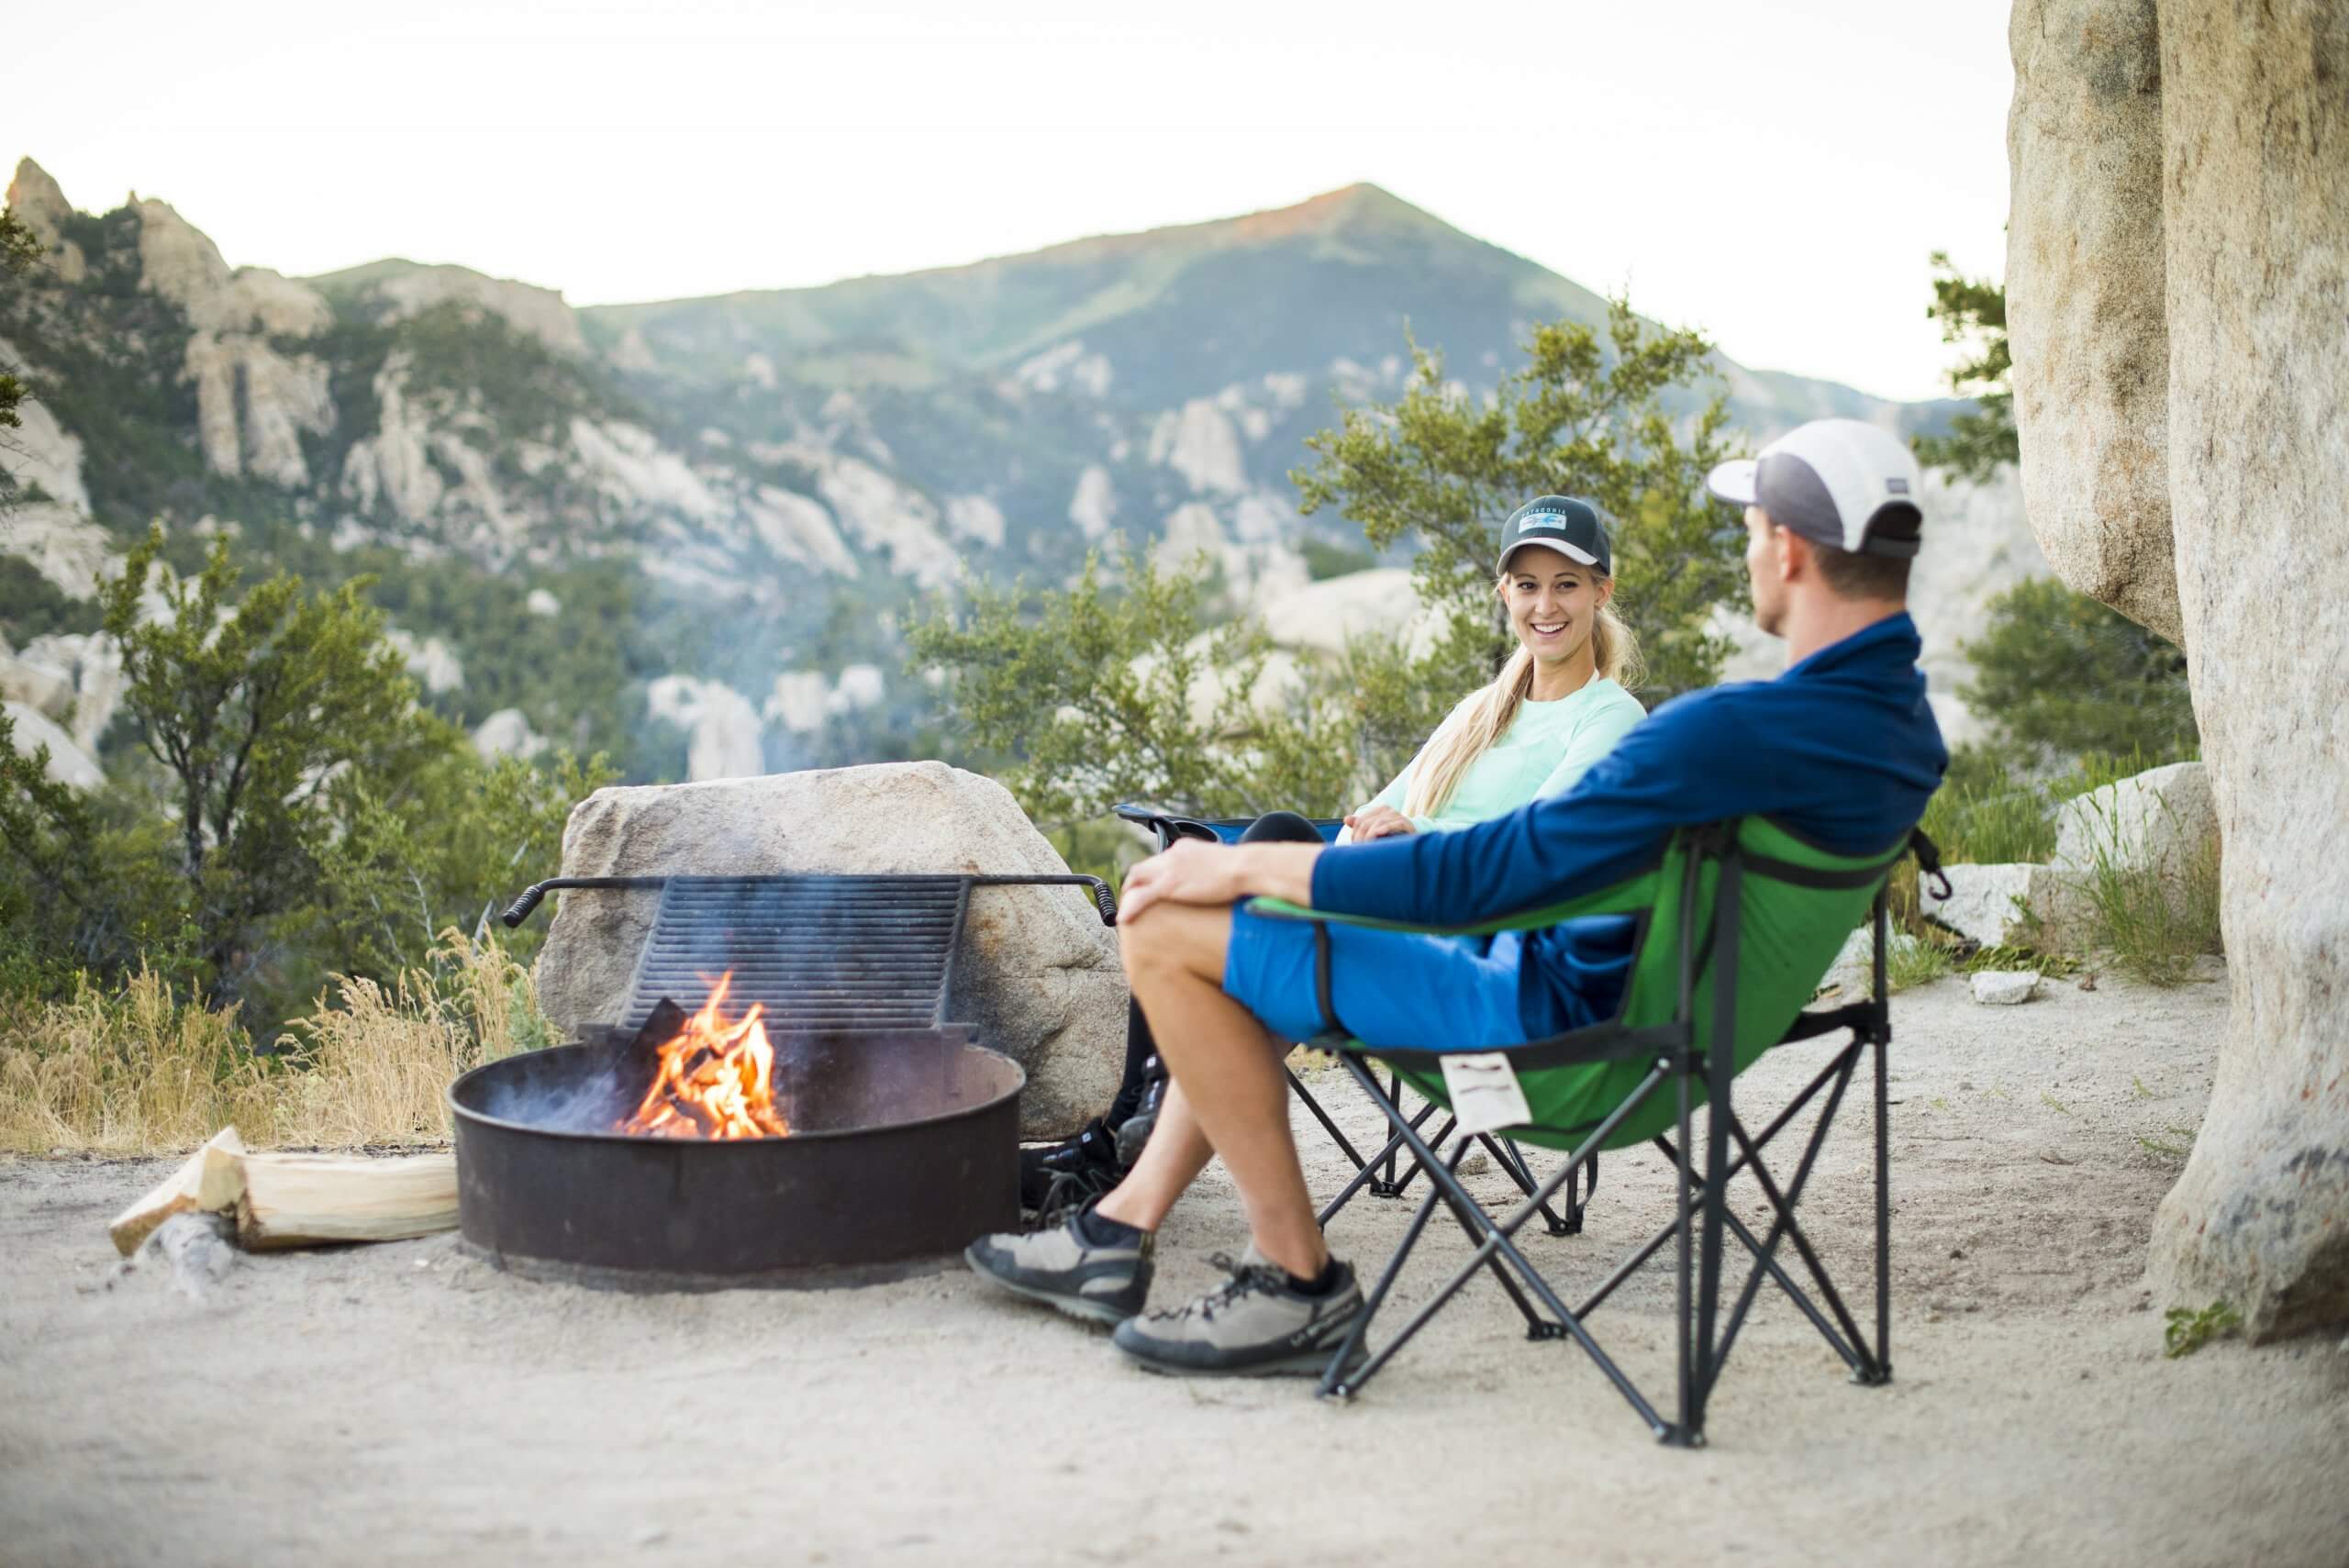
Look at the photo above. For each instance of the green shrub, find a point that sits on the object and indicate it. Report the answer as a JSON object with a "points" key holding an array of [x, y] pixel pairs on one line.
{"points": [[2059, 675], [1987, 812], [1324, 560], [31, 606]]}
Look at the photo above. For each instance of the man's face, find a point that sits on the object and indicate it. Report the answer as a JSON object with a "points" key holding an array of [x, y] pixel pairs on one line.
{"points": [[1765, 565]]}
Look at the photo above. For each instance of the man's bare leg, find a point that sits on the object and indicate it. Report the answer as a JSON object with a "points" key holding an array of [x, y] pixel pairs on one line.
{"points": [[1229, 1070]]}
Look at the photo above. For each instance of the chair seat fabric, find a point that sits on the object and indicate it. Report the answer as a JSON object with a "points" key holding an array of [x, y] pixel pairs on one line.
{"points": [[1789, 934]]}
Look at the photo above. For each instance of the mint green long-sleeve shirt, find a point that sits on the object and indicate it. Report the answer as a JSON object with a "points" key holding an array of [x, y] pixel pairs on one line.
{"points": [[1545, 749]]}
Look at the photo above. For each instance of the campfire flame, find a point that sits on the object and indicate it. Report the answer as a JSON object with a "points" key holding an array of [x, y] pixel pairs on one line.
{"points": [[715, 1079]]}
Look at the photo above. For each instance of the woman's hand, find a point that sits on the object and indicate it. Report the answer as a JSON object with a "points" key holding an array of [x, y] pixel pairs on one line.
{"points": [[1378, 822]]}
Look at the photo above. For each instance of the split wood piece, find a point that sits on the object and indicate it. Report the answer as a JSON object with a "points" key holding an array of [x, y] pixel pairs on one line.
{"points": [[300, 1200], [210, 1180]]}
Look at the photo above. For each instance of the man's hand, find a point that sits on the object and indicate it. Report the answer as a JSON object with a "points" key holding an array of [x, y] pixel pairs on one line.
{"points": [[1378, 822], [1195, 872]]}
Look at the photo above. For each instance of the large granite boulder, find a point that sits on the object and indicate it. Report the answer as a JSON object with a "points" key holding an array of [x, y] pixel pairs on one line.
{"points": [[2085, 321], [2014, 905], [1037, 973], [2162, 821], [2198, 159]]}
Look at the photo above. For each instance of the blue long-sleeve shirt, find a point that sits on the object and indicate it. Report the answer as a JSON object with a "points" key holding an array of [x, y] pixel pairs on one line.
{"points": [[1842, 748]]}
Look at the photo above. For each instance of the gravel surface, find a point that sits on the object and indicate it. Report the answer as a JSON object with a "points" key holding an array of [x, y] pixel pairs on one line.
{"points": [[407, 1404]]}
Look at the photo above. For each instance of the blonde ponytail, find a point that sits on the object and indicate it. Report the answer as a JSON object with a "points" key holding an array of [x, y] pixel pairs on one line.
{"points": [[1460, 739], [1485, 716], [1615, 649]]}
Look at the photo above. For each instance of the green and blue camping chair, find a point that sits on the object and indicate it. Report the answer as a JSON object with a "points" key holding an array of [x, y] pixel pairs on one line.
{"points": [[1384, 1173], [1736, 924]]}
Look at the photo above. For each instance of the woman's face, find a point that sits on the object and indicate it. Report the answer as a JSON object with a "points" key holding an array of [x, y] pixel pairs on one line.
{"points": [[1552, 601]]}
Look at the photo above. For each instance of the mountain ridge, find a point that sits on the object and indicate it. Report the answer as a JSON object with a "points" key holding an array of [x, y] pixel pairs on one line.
{"points": [[605, 525]]}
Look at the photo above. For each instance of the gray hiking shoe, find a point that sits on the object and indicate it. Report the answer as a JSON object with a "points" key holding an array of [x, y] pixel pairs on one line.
{"points": [[1257, 1324], [1060, 1267]]}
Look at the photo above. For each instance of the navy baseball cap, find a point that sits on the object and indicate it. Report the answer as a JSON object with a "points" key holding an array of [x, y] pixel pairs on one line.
{"points": [[1573, 528]]}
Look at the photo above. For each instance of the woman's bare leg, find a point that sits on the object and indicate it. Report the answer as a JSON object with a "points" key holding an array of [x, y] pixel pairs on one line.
{"points": [[1172, 1158]]}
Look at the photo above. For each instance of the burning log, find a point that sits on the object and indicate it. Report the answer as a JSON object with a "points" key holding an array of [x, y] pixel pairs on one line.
{"points": [[711, 1077]]}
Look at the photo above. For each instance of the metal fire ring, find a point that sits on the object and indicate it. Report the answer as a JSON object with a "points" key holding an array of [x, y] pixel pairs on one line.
{"points": [[905, 1147]]}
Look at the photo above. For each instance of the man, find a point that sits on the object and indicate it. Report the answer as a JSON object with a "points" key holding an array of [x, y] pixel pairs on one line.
{"points": [[1841, 748]]}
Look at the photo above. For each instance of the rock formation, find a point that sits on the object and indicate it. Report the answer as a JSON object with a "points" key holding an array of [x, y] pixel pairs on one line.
{"points": [[2178, 273], [74, 678], [507, 733], [539, 312], [68, 763], [721, 726], [252, 402], [2085, 268], [2158, 825], [40, 206], [2160, 821], [431, 660], [1036, 972]]}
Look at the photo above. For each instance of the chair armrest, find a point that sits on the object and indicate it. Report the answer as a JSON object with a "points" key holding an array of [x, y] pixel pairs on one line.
{"points": [[1282, 909], [1630, 896]]}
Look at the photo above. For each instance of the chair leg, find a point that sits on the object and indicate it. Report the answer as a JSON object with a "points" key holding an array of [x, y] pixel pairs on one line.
{"points": [[1634, 1260], [1688, 1432], [1854, 1351], [1497, 1247], [1334, 1384], [1435, 1140], [1512, 1159], [1883, 1368], [1367, 1171], [1322, 1117], [1784, 1281], [1388, 1185]]}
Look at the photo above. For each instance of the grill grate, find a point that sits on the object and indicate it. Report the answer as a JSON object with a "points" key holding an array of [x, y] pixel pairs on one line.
{"points": [[821, 953]]}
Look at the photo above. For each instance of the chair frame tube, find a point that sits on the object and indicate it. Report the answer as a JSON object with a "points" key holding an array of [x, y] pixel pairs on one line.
{"points": [[1704, 1219]]}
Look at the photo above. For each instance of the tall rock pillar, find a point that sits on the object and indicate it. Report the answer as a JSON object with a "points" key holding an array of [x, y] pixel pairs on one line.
{"points": [[2214, 430]]}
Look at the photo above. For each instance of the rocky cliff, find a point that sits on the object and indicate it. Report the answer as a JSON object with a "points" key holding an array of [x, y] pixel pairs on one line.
{"points": [[2177, 276]]}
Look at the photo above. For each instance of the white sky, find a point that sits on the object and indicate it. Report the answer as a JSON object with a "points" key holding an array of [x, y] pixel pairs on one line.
{"points": [[1775, 171]]}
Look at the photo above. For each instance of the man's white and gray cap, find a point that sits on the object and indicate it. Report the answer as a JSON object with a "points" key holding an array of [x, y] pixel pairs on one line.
{"points": [[1838, 482]]}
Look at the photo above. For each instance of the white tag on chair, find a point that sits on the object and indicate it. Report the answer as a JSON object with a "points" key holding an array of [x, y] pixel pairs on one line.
{"points": [[1484, 1091]]}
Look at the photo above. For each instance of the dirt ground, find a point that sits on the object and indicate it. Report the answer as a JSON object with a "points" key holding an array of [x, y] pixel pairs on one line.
{"points": [[405, 1404]]}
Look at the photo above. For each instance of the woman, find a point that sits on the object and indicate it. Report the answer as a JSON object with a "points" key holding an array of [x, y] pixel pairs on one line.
{"points": [[1558, 705]]}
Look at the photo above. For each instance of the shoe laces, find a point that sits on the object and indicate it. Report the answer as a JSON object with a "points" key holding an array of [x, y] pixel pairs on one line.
{"points": [[1246, 1279]]}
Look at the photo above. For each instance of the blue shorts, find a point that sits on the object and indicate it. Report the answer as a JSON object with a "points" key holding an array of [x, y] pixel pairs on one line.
{"points": [[1393, 988]]}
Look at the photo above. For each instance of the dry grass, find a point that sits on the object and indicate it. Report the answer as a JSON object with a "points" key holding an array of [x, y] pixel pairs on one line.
{"points": [[140, 1071]]}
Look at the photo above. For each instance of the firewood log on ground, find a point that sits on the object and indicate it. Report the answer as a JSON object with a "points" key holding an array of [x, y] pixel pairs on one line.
{"points": [[278, 1200]]}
